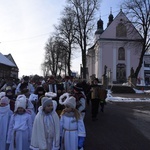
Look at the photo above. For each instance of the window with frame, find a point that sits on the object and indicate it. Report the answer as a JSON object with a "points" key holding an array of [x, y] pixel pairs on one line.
{"points": [[121, 30], [121, 53]]}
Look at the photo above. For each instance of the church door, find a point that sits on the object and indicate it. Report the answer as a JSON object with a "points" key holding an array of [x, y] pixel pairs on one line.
{"points": [[121, 73]]}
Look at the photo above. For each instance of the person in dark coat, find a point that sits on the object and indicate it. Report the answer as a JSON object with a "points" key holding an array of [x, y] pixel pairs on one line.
{"points": [[10, 94], [103, 95], [95, 98]]}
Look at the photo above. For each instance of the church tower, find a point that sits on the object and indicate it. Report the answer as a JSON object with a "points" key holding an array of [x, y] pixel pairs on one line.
{"points": [[110, 18], [100, 29]]}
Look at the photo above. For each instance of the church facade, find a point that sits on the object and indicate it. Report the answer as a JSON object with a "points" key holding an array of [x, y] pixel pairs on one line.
{"points": [[116, 50]]}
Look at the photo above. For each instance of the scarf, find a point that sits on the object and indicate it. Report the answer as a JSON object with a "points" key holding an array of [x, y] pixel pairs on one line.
{"points": [[69, 114], [4, 110]]}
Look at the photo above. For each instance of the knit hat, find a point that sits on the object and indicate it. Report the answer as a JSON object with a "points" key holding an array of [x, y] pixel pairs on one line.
{"points": [[21, 101], [21, 104], [21, 98], [46, 101], [4, 100], [2, 94], [71, 101]]}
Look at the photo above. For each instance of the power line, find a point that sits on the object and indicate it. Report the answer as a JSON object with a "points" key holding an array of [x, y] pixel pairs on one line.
{"points": [[28, 38], [40, 35], [109, 13]]}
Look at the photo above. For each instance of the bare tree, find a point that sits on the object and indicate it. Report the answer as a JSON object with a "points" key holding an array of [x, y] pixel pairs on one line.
{"points": [[84, 11], [139, 12], [43, 68], [54, 56], [66, 32]]}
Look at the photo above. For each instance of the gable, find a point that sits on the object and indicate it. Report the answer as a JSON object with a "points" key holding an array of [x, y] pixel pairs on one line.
{"points": [[6, 61], [9, 56], [121, 28]]}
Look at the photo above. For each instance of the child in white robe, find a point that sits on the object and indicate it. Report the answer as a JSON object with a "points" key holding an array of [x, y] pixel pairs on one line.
{"points": [[46, 129], [5, 114], [20, 128], [29, 106], [72, 129]]}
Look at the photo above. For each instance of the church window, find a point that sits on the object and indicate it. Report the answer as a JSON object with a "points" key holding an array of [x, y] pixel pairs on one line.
{"points": [[121, 53], [121, 30]]}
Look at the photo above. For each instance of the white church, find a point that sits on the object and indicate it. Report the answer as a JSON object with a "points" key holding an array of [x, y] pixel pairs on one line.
{"points": [[116, 50]]}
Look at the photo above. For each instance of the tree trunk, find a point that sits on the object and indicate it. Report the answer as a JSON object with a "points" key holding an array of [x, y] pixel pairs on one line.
{"points": [[84, 64]]}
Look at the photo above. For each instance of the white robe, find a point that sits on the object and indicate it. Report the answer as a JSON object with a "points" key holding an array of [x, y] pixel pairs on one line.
{"points": [[5, 114], [70, 130], [19, 133], [46, 131], [82, 107]]}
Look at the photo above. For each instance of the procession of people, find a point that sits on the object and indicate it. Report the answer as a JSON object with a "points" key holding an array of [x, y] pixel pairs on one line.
{"points": [[48, 115]]}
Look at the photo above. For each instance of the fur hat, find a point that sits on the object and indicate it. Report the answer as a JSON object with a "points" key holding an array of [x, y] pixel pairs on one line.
{"points": [[2, 94], [4, 100], [50, 95], [46, 101], [71, 101]]}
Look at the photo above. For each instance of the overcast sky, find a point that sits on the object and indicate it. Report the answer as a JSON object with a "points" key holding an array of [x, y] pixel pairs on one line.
{"points": [[26, 25]]}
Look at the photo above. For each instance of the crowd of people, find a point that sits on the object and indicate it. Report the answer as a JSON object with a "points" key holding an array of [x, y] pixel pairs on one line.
{"points": [[48, 115]]}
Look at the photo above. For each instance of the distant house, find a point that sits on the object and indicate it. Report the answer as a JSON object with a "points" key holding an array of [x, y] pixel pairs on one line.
{"points": [[8, 67], [116, 50]]}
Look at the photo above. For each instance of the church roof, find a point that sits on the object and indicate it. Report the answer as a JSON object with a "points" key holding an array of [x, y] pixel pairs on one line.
{"points": [[111, 29], [109, 34], [4, 60], [9, 56]]}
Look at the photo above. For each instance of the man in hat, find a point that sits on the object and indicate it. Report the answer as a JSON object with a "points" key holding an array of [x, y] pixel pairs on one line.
{"points": [[58, 88], [26, 83], [55, 86], [98, 94], [52, 84], [11, 95], [68, 84]]}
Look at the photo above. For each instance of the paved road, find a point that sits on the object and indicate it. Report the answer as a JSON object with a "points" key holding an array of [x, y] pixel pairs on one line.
{"points": [[123, 126]]}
